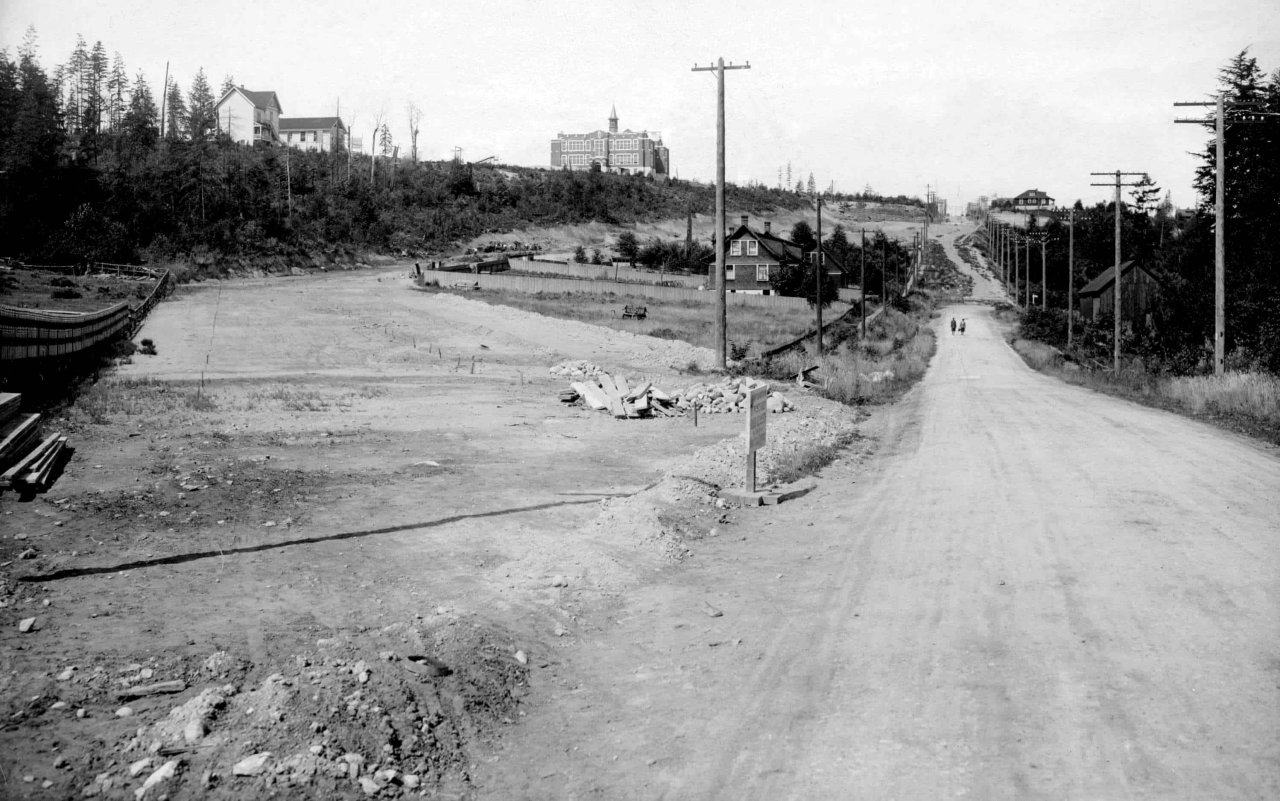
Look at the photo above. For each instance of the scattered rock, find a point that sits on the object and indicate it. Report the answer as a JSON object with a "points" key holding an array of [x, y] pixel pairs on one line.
{"points": [[58, 705], [139, 766], [522, 658], [27, 625], [410, 780], [194, 731], [163, 773], [559, 581], [124, 712], [369, 786], [67, 673], [253, 765]]}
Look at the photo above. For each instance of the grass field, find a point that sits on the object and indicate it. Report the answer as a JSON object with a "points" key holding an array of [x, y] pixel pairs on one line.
{"points": [[35, 289], [750, 327]]}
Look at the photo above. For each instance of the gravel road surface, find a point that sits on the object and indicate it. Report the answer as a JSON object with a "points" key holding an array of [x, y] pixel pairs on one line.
{"points": [[1029, 591]]}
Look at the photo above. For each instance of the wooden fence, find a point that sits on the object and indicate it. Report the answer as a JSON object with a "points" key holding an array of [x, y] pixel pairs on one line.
{"points": [[46, 334], [606, 272], [533, 283]]}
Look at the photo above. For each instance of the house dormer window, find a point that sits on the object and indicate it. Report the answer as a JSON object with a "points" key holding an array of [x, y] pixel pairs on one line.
{"points": [[735, 247], [753, 247]]}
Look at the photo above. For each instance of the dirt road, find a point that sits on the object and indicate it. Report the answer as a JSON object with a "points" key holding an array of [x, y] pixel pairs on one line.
{"points": [[1030, 591]]}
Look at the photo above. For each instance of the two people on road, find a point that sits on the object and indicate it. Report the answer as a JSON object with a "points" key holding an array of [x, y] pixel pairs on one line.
{"points": [[953, 325]]}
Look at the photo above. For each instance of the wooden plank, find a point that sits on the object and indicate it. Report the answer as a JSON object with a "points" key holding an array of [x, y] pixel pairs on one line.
{"points": [[592, 394], [620, 381], [10, 404], [39, 479], [26, 462], [17, 437], [643, 389], [610, 388]]}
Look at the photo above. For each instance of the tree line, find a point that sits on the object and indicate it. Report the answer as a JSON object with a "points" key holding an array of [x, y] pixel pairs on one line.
{"points": [[94, 165], [1177, 247]]}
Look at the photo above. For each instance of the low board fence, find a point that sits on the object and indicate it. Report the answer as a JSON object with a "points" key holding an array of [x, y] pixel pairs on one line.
{"points": [[45, 334], [532, 284], [92, 267], [606, 272]]}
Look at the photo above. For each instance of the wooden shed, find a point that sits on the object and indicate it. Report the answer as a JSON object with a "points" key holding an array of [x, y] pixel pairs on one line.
{"points": [[1138, 294]]}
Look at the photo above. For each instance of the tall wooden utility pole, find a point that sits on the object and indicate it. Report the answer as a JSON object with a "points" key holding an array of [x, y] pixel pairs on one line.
{"points": [[1044, 276], [1071, 272], [1118, 182], [1219, 122], [862, 283], [817, 274], [720, 322]]}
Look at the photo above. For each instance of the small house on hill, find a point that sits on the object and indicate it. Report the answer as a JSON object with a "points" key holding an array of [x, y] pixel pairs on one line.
{"points": [[1138, 293], [325, 134], [1031, 200], [249, 117], [755, 259]]}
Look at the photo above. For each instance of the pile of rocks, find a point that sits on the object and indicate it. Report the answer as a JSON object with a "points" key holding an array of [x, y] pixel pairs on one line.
{"points": [[577, 369], [728, 396]]}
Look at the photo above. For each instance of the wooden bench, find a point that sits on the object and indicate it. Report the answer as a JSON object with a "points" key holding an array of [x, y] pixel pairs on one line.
{"points": [[636, 312]]}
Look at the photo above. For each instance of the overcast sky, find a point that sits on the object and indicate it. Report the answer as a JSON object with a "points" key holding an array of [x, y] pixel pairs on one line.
{"points": [[970, 97]]}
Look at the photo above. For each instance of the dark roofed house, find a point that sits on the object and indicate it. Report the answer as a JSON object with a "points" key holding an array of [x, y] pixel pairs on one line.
{"points": [[1032, 199], [755, 259], [1138, 294], [325, 134]]}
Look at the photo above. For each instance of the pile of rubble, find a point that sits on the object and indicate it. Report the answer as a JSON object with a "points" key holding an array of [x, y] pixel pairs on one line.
{"points": [[618, 396], [576, 369]]}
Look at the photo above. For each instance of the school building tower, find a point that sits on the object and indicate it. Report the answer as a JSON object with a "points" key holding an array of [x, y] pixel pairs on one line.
{"points": [[628, 152]]}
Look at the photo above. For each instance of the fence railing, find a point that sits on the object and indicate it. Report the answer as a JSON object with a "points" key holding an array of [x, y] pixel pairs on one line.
{"points": [[45, 333], [536, 283]]}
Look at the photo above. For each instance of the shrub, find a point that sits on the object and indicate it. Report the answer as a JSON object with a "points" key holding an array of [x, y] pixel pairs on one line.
{"points": [[65, 294]]}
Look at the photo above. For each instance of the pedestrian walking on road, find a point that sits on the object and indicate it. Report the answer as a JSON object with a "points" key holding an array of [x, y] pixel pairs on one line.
{"points": [[962, 319], [953, 326]]}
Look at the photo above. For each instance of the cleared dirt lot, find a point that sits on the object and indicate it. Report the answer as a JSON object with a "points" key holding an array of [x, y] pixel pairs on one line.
{"points": [[313, 480]]}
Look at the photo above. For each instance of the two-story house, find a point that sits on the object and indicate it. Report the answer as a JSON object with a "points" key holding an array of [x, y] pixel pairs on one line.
{"points": [[249, 117], [755, 259], [325, 134]]}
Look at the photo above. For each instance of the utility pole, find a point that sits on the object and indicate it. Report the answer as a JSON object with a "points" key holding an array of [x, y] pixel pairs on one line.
{"points": [[1044, 281], [1071, 272], [817, 275], [1119, 182], [862, 283], [720, 321], [1219, 122]]}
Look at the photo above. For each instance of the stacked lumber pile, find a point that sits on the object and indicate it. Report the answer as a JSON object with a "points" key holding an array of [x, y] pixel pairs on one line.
{"points": [[614, 394], [29, 464]]}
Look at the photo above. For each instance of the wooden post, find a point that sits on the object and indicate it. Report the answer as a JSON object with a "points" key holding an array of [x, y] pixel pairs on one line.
{"points": [[862, 283], [1116, 356], [1219, 245], [1071, 273], [757, 418], [817, 288]]}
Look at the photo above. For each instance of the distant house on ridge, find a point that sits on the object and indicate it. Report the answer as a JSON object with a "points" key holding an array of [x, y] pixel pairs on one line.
{"points": [[249, 117], [325, 134]]}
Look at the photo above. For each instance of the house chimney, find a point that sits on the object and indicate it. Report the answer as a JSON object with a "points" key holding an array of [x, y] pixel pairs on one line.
{"points": [[744, 221], [767, 225]]}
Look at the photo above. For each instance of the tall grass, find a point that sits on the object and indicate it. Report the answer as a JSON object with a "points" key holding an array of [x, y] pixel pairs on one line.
{"points": [[1255, 395], [879, 369]]}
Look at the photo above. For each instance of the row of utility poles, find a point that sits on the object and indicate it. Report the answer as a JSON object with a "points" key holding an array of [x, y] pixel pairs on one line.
{"points": [[1224, 112]]}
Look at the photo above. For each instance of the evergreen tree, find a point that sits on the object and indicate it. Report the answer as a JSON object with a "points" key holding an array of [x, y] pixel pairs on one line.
{"points": [[813, 187], [1145, 194], [228, 83], [200, 103], [175, 112], [802, 235], [141, 130], [77, 74], [117, 87]]}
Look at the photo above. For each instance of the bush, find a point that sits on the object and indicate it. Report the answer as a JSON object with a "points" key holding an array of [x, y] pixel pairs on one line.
{"points": [[65, 294]]}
